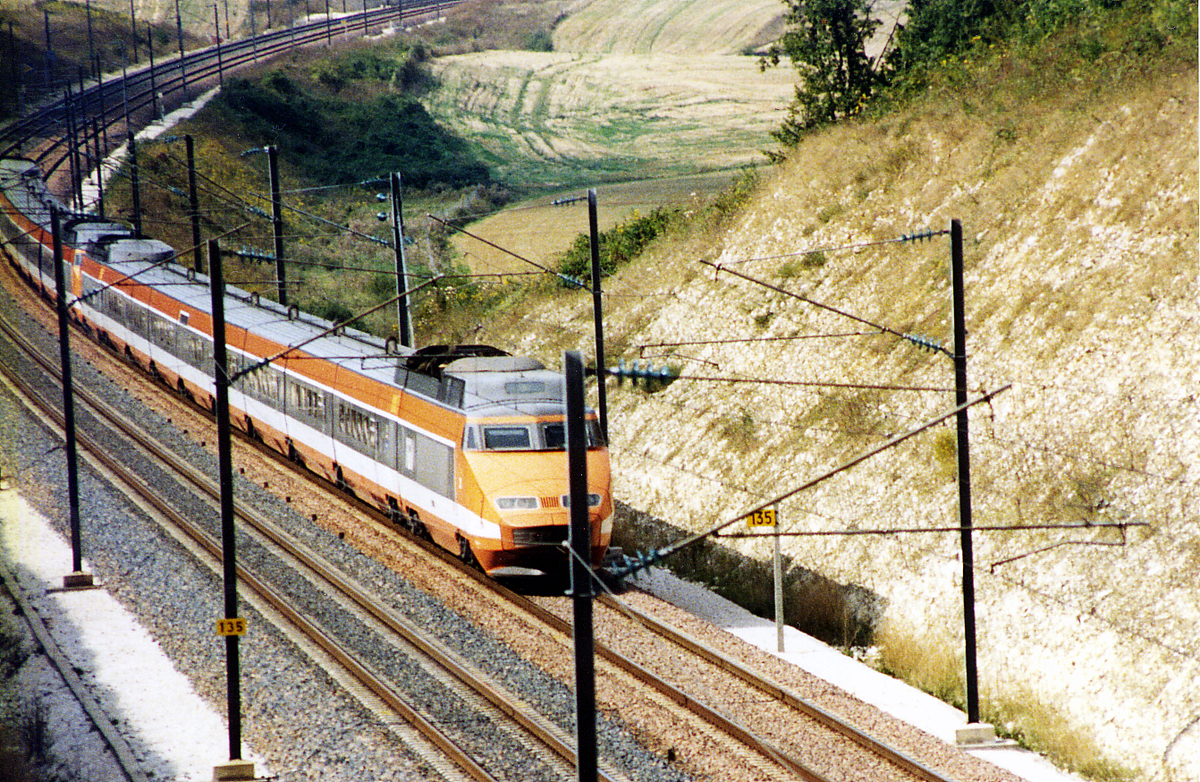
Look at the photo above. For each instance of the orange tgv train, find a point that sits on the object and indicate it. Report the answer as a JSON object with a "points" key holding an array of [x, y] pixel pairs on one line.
{"points": [[464, 445]]}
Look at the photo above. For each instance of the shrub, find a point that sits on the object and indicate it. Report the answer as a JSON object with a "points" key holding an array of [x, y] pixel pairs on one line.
{"points": [[618, 245]]}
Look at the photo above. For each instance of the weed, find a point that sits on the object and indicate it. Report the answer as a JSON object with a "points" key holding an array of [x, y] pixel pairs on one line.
{"points": [[843, 615], [1042, 727], [829, 211], [930, 661], [740, 431], [945, 453]]}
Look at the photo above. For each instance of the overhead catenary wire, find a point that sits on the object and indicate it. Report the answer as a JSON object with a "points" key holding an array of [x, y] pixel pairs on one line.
{"points": [[519, 257], [659, 554], [887, 329], [917, 236]]}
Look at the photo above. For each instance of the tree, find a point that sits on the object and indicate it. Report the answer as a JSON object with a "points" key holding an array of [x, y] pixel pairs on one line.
{"points": [[826, 42]]}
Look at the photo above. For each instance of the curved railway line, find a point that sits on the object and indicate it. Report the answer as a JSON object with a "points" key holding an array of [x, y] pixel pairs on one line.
{"points": [[816, 745], [394, 629], [44, 133], [782, 736]]}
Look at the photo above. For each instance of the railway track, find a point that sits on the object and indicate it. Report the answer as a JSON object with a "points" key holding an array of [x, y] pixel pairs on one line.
{"points": [[430, 658], [777, 755], [81, 117], [803, 750]]}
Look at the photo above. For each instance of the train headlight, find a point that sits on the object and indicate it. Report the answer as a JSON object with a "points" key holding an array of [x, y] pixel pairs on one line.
{"points": [[593, 500], [517, 503]]}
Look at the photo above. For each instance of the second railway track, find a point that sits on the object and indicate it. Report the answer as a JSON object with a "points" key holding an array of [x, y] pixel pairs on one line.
{"points": [[668, 712]]}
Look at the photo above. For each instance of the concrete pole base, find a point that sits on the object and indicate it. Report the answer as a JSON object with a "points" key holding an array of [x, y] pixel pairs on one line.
{"points": [[234, 771], [980, 735], [78, 580]]}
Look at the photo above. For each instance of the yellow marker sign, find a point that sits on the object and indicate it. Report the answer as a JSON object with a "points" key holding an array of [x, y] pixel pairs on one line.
{"points": [[761, 518], [235, 626]]}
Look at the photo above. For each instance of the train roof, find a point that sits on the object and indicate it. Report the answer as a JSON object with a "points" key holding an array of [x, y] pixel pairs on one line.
{"points": [[493, 385], [478, 379], [21, 181]]}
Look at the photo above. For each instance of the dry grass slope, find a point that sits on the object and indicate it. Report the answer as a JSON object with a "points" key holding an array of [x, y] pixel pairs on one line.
{"points": [[688, 27], [1079, 205]]}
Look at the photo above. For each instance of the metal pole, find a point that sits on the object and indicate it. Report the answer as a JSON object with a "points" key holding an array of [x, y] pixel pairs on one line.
{"points": [[182, 68], [598, 313], [91, 38], [581, 584], [72, 148], [64, 354], [220, 65], [103, 109], [403, 315], [99, 170], [133, 29], [153, 84], [964, 469], [328, 26], [135, 186], [225, 470], [49, 49], [253, 33], [193, 203], [778, 585], [277, 222], [15, 74]]}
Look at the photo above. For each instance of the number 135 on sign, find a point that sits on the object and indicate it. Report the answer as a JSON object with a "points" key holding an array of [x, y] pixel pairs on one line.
{"points": [[764, 517]]}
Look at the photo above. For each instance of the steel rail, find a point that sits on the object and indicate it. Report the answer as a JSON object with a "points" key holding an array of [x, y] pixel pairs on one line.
{"points": [[782, 694], [213, 548], [828, 719], [562, 626], [142, 88], [515, 709], [123, 754]]}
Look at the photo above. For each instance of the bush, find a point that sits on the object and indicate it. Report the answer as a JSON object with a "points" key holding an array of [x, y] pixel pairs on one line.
{"points": [[618, 245]]}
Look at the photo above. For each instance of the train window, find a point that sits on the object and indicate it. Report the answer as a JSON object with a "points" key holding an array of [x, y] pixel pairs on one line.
{"points": [[503, 438], [264, 383], [554, 436], [410, 452], [162, 332], [358, 426], [197, 351], [306, 401], [183, 317]]}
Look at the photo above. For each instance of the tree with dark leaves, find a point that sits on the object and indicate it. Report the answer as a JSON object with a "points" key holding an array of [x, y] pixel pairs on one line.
{"points": [[826, 41]]}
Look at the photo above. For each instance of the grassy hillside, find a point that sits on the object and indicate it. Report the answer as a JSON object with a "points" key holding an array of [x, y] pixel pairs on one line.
{"points": [[652, 102], [1076, 185]]}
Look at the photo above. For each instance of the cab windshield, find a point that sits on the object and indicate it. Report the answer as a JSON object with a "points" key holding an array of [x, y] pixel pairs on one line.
{"points": [[526, 437]]}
